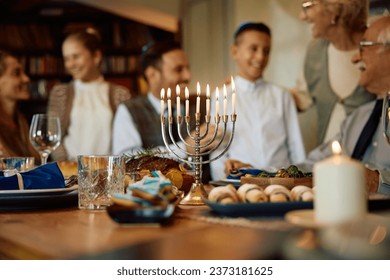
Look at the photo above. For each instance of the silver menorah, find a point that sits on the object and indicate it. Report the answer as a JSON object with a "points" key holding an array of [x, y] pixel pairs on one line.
{"points": [[197, 191]]}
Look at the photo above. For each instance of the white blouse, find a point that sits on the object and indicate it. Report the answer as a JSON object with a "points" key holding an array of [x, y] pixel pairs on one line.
{"points": [[89, 132]]}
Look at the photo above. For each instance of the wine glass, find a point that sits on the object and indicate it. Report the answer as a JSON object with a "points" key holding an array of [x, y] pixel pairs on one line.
{"points": [[45, 134], [386, 116]]}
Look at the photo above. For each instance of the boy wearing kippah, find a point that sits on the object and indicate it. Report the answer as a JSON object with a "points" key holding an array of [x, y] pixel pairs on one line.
{"points": [[267, 132]]}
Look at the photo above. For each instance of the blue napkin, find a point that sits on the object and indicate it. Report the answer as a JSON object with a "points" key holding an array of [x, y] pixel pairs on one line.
{"points": [[47, 176], [237, 174]]}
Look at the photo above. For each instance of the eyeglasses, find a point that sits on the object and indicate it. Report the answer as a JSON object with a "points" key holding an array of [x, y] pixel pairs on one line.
{"points": [[364, 44], [308, 4]]}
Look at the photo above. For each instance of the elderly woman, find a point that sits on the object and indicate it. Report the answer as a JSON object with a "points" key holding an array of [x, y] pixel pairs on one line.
{"points": [[330, 79], [86, 106], [14, 139]]}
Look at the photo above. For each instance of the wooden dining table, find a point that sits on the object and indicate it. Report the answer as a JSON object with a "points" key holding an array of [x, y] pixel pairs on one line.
{"points": [[192, 233]]}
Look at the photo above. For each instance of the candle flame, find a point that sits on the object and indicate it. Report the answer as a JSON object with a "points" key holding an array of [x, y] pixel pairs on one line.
{"points": [[207, 91], [162, 93], [187, 93], [169, 93], [198, 89], [177, 90], [224, 91], [336, 148], [217, 93], [233, 84]]}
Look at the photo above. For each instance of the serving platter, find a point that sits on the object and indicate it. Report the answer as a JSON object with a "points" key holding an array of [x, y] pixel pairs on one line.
{"points": [[257, 209], [376, 202]]}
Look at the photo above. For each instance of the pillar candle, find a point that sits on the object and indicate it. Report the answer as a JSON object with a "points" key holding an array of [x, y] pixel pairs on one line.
{"points": [[198, 98], [162, 101], [340, 193], [178, 111], [224, 100], [187, 94], [169, 102], [217, 101]]}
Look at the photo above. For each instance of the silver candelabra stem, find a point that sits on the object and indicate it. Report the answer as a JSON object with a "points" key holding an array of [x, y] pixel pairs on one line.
{"points": [[197, 192]]}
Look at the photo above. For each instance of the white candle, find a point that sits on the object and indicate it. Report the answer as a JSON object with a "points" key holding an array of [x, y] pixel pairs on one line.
{"points": [[178, 111], [169, 102], [187, 94], [233, 97], [162, 101], [217, 101], [198, 98], [340, 193], [224, 100], [207, 100]]}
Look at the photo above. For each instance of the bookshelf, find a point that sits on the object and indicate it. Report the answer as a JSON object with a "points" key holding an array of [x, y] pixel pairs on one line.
{"points": [[36, 34]]}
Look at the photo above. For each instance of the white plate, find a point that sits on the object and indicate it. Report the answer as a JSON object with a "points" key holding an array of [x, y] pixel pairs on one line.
{"points": [[39, 191]]}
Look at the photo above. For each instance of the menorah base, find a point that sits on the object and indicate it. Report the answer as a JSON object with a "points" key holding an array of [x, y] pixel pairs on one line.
{"points": [[195, 196]]}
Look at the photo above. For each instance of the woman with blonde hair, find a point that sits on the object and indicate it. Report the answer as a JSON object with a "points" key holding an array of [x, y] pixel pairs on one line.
{"points": [[330, 79], [86, 106], [14, 132]]}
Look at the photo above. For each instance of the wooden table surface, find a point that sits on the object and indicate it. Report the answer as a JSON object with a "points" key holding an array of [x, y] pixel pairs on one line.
{"points": [[82, 234]]}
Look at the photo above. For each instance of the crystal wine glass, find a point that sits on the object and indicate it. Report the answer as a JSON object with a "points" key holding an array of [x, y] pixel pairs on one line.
{"points": [[45, 134], [386, 116]]}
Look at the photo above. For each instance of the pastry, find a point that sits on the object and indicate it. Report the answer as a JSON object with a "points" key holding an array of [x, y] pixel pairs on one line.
{"points": [[252, 193], [278, 193], [224, 194], [302, 193]]}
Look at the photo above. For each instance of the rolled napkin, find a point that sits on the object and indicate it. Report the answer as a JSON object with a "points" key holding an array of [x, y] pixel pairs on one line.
{"points": [[252, 193], [47, 176]]}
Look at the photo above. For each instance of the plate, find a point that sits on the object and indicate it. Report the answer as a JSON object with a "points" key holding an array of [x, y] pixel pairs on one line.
{"points": [[47, 199], [224, 182], [257, 209], [38, 191], [126, 215]]}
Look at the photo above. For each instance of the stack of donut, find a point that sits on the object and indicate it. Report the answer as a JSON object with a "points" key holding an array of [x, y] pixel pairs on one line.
{"points": [[252, 193]]}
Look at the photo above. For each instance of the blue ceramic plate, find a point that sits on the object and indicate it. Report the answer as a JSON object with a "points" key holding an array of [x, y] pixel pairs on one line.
{"points": [[257, 209]]}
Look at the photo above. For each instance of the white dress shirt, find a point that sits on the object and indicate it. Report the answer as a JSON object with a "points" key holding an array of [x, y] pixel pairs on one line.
{"points": [[126, 138], [89, 132], [267, 132]]}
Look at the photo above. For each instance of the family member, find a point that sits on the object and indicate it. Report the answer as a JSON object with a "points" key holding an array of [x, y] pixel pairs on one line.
{"points": [[14, 132], [267, 131], [330, 79], [87, 104]]}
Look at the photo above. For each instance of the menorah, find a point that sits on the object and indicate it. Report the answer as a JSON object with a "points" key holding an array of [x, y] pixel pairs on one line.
{"points": [[198, 150]]}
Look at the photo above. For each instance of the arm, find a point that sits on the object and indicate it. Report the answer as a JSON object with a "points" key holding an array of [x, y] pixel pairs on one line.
{"points": [[300, 95], [125, 135], [295, 142]]}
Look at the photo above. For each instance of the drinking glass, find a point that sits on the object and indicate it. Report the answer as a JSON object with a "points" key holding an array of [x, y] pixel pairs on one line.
{"points": [[386, 116], [45, 134]]}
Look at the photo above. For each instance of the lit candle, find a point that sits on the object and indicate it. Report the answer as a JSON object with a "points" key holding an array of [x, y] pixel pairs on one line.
{"points": [[178, 111], [207, 100], [340, 193], [233, 97], [217, 101], [169, 102], [187, 94], [162, 101], [224, 100], [198, 98]]}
